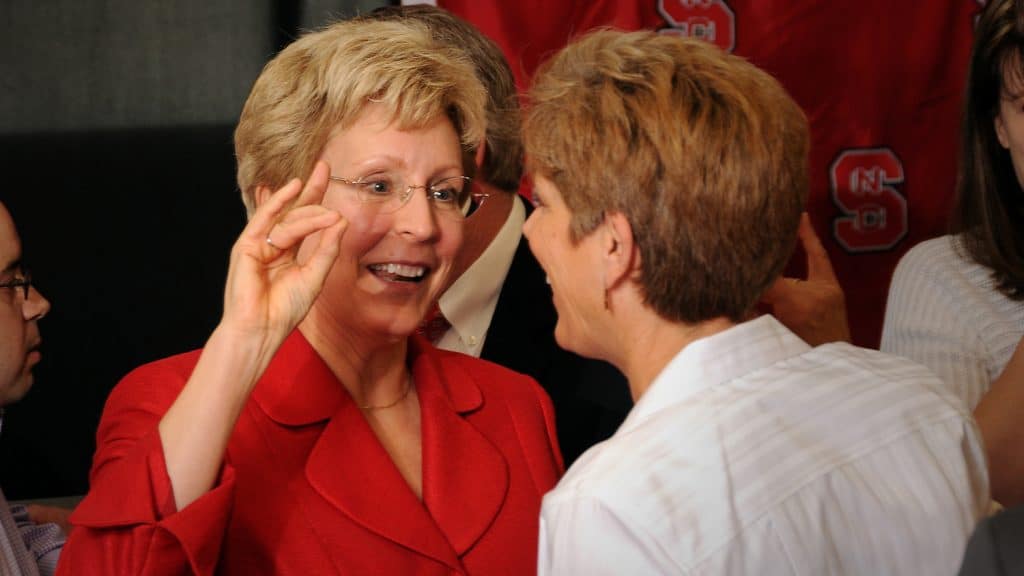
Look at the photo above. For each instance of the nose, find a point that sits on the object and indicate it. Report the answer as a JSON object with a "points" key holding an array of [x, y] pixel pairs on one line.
{"points": [[36, 306], [416, 218]]}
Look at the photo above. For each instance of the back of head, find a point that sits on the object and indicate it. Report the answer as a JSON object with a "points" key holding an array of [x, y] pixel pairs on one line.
{"points": [[503, 160], [705, 154], [322, 81], [989, 196]]}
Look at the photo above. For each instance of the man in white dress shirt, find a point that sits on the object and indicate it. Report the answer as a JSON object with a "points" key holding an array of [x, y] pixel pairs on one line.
{"points": [[670, 178]]}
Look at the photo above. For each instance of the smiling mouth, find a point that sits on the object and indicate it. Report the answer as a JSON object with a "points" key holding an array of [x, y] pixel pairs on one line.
{"points": [[392, 272]]}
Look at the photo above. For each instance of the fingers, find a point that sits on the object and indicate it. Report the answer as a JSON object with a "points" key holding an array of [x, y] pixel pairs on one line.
{"points": [[276, 229], [316, 185], [299, 223], [819, 267], [326, 252]]}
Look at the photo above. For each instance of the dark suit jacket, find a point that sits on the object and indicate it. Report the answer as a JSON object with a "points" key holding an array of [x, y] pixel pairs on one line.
{"points": [[997, 546], [306, 486], [591, 397]]}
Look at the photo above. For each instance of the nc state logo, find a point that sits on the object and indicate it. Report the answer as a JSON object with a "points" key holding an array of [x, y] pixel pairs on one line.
{"points": [[874, 212], [710, 20]]}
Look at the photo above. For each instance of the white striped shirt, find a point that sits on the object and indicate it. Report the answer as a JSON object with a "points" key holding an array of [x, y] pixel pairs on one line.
{"points": [[945, 312], [752, 453]]}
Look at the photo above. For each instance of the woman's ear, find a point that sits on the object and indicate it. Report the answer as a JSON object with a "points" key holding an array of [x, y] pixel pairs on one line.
{"points": [[262, 193], [622, 257]]}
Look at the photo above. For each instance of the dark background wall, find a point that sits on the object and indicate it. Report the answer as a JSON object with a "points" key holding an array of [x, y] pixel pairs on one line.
{"points": [[116, 119]]}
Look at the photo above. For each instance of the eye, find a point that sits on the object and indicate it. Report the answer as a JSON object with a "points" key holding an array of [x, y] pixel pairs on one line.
{"points": [[536, 200], [444, 195], [377, 186], [447, 191]]}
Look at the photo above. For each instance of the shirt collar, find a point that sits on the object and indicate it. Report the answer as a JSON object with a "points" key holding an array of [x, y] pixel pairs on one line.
{"points": [[470, 301], [715, 360]]}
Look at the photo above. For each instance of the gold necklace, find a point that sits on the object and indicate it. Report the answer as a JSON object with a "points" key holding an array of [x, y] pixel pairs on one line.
{"points": [[408, 387]]}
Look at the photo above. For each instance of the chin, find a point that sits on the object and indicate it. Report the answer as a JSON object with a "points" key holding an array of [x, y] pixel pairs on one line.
{"points": [[565, 340], [16, 392]]}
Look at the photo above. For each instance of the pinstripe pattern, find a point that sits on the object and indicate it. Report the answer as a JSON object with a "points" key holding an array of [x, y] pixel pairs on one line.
{"points": [[944, 312], [752, 453]]}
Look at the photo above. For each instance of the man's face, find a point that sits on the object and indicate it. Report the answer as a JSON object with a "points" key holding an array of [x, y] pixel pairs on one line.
{"points": [[19, 330]]}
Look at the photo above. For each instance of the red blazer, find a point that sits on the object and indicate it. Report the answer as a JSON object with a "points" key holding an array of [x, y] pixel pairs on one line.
{"points": [[308, 489]]}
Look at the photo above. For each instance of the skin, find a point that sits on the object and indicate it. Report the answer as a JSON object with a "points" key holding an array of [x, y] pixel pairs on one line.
{"points": [[321, 262], [596, 292], [815, 308], [19, 318], [577, 286]]}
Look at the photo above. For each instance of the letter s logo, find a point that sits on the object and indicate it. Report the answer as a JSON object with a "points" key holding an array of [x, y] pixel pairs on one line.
{"points": [[710, 20], [875, 213]]}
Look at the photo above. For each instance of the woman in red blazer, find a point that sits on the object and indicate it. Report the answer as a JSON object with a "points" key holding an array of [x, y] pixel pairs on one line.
{"points": [[314, 433]]}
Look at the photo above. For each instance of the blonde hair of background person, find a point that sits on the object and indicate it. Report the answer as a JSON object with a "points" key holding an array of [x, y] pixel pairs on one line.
{"points": [[669, 179], [315, 431]]}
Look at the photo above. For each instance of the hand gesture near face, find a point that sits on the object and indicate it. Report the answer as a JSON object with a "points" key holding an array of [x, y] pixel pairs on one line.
{"points": [[269, 291], [815, 308]]}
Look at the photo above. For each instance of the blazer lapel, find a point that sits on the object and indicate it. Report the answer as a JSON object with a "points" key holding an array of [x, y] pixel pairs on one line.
{"points": [[347, 466], [465, 478], [350, 469]]}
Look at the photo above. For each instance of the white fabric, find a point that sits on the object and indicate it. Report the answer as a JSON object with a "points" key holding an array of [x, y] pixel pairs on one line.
{"points": [[469, 302], [945, 312], [752, 453]]}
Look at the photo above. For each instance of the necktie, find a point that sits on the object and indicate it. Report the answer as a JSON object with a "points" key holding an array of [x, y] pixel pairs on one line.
{"points": [[434, 325]]}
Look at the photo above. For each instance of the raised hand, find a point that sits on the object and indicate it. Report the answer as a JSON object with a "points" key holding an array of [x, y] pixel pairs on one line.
{"points": [[269, 291], [815, 308]]}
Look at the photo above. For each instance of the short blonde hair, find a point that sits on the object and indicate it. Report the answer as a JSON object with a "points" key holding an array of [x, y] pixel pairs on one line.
{"points": [[502, 165], [323, 80], [705, 154]]}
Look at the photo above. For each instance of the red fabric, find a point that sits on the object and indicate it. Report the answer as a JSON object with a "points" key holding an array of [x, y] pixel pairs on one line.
{"points": [[881, 83], [308, 489]]}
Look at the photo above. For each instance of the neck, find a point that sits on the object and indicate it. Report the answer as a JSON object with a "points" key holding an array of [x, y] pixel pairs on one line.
{"points": [[646, 343], [373, 372], [481, 229]]}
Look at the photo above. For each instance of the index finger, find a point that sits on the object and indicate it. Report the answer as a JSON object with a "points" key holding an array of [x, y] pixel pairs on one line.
{"points": [[316, 185]]}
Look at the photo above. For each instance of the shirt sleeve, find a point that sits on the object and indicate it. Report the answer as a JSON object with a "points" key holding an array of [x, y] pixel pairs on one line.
{"points": [[128, 522], [582, 536], [929, 318], [43, 541]]}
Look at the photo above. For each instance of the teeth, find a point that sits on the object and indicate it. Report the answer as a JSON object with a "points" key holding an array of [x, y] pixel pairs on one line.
{"points": [[400, 269]]}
